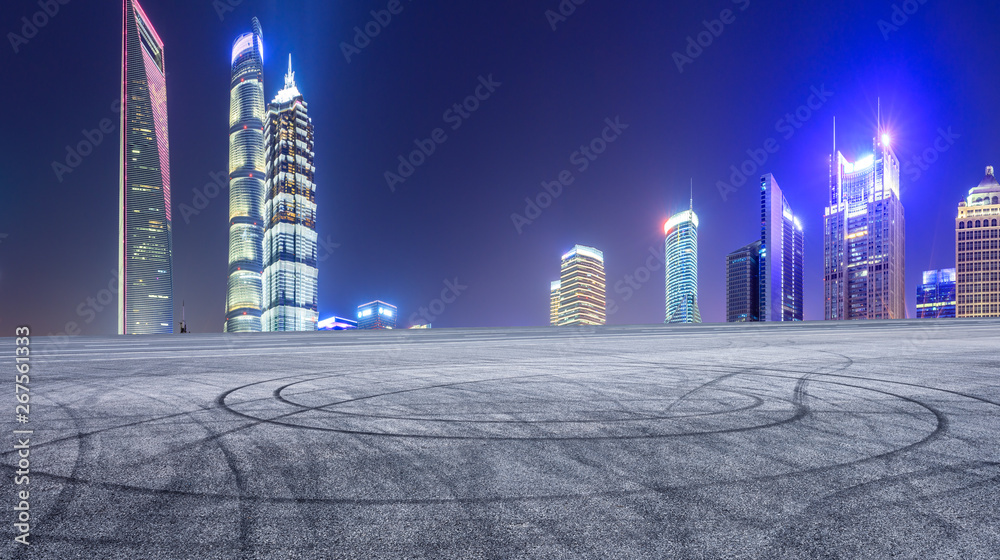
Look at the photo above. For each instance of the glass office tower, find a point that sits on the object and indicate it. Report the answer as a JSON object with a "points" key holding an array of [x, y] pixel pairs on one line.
{"points": [[936, 296], [582, 296], [682, 268], [780, 256], [864, 238], [554, 303], [743, 284], [291, 272], [977, 235], [145, 245], [244, 291], [377, 315]]}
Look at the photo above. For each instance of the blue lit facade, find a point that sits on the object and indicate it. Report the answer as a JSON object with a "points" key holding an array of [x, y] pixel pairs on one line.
{"points": [[336, 324], [936, 296], [681, 259], [377, 315], [864, 238], [781, 251]]}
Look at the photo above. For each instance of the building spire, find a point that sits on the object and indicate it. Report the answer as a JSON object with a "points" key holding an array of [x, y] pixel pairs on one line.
{"points": [[290, 76], [290, 91], [878, 117], [691, 206]]}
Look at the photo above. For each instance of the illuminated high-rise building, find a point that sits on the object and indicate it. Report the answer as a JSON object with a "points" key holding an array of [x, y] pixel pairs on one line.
{"points": [[864, 238], [291, 273], [336, 324], [554, 303], [377, 315], [582, 296], [145, 245], [780, 256], [743, 284], [936, 296], [976, 237], [244, 293], [681, 260]]}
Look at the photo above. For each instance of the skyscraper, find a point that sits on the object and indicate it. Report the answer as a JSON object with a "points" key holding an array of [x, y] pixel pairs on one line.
{"points": [[145, 244], [936, 296], [780, 256], [291, 274], [377, 315], [582, 296], [743, 284], [976, 237], [864, 238], [681, 253], [554, 303], [244, 292]]}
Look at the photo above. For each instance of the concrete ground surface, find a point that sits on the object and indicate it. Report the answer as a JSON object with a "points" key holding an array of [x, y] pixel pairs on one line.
{"points": [[813, 440]]}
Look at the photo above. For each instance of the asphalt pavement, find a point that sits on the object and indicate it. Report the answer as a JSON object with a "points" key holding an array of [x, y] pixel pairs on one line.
{"points": [[812, 440]]}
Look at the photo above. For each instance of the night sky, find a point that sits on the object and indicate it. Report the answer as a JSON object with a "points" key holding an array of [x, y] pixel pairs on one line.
{"points": [[935, 72]]}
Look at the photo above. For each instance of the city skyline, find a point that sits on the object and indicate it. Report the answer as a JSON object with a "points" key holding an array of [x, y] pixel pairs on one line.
{"points": [[413, 174], [435, 222]]}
